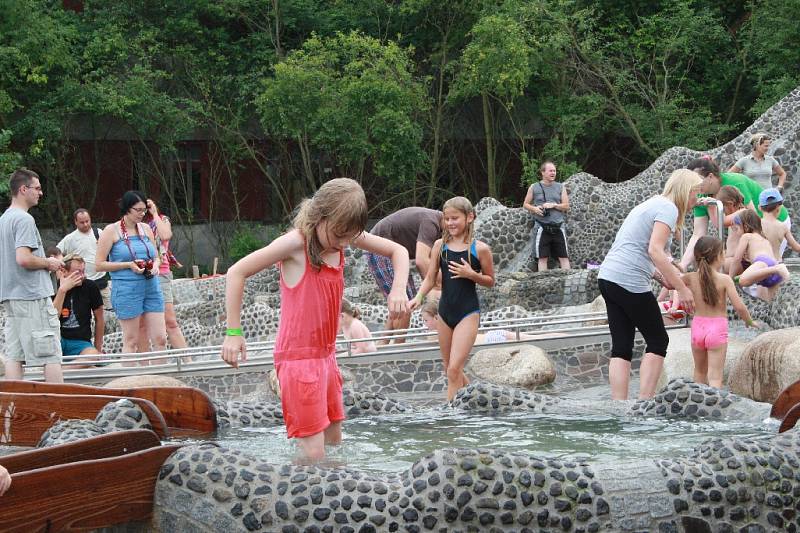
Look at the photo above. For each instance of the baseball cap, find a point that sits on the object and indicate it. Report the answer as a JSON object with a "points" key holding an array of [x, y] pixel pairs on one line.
{"points": [[769, 196]]}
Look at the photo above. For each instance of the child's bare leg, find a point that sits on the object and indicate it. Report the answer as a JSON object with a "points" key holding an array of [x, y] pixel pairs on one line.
{"points": [[333, 434], [700, 356], [716, 363], [755, 273], [463, 340], [445, 340], [312, 448]]}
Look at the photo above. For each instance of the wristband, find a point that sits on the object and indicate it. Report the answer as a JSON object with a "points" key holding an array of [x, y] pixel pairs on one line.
{"points": [[749, 322], [419, 297], [233, 332]]}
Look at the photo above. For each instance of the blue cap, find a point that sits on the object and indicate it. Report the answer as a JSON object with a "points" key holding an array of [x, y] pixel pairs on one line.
{"points": [[769, 196]]}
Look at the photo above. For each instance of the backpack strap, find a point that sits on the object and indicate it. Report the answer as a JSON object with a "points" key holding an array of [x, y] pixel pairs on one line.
{"points": [[96, 233]]}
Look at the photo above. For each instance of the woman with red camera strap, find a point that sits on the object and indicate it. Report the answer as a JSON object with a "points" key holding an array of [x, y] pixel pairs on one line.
{"points": [[127, 250]]}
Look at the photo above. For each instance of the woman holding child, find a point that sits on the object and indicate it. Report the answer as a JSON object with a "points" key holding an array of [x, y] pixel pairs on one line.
{"points": [[638, 254]]}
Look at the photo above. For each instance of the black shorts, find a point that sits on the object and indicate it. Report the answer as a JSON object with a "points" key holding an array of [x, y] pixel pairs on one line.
{"points": [[549, 243]]}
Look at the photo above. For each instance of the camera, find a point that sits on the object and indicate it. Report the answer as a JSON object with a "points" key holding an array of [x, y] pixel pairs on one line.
{"points": [[147, 266], [545, 211]]}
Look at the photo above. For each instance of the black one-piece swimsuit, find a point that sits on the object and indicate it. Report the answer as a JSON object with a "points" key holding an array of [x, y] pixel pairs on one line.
{"points": [[459, 297]]}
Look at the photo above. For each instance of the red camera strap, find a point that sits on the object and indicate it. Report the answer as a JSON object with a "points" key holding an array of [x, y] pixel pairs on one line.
{"points": [[124, 232]]}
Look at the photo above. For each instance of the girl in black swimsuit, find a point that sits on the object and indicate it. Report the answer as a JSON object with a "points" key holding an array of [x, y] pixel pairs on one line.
{"points": [[463, 262]]}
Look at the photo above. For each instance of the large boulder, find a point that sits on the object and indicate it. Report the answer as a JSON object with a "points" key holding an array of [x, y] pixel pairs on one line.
{"points": [[130, 382], [679, 362], [768, 365], [523, 365]]}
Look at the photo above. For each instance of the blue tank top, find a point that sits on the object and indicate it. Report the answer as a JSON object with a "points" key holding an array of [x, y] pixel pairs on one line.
{"points": [[142, 248]]}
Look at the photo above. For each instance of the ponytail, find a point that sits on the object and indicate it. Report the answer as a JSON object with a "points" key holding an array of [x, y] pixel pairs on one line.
{"points": [[706, 251]]}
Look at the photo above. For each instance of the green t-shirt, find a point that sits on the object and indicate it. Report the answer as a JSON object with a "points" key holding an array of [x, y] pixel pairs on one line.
{"points": [[749, 188]]}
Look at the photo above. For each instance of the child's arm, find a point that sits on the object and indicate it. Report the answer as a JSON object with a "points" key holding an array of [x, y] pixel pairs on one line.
{"points": [[430, 278], [672, 276], [396, 301], [464, 270], [736, 302], [791, 241], [730, 218], [736, 263], [361, 331], [281, 249]]}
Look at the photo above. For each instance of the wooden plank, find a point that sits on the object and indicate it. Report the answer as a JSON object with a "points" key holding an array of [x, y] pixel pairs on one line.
{"points": [[25, 417], [788, 398], [84, 495], [184, 408], [99, 447], [790, 419]]}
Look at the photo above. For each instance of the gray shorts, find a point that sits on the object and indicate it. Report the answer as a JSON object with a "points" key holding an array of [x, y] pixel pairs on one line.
{"points": [[166, 287], [33, 333]]}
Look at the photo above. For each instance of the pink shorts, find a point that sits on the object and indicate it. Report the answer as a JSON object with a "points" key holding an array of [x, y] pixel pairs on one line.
{"points": [[709, 332], [311, 395]]}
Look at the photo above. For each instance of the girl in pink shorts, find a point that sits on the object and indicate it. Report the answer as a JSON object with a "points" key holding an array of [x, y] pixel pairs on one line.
{"points": [[711, 291], [311, 262]]}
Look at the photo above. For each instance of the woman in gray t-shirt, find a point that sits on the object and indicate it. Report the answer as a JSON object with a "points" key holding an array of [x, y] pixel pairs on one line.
{"points": [[638, 254], [759, 166]]}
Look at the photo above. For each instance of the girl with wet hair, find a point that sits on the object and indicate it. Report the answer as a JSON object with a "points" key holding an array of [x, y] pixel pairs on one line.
{"points": [[712, 291], [754, 262], [311, 261], [733, 205], [464, 263], [354, 328]]}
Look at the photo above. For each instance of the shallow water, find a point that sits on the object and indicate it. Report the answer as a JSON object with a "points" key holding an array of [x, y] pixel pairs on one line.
{"points": [[393, 443]]}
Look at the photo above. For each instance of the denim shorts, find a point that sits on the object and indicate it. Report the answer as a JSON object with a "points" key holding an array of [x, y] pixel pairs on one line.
{"points": [[132, 298]]}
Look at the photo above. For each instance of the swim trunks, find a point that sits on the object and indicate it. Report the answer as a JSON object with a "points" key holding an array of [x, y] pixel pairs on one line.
{"points": [[772, 279], [709, 332]]}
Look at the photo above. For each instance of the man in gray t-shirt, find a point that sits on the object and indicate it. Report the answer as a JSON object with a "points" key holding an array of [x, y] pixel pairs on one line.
{"points": [[32, 326], [547, 200]]}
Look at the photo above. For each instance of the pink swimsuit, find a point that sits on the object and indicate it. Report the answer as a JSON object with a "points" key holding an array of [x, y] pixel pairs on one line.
{"points": [[709, 332], [305, 350]]}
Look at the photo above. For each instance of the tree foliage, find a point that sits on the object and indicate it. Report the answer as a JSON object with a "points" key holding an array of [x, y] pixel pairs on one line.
{"points": [[418, 99]]}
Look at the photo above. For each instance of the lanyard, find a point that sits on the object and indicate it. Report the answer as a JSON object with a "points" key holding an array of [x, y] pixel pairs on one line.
{"points": [[124, 233]]}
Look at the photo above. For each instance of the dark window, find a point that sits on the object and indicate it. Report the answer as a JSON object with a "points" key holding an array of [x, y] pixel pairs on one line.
{"points": [[185, 181]]}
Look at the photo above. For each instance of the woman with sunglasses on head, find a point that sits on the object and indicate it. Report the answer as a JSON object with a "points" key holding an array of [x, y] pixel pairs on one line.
{"points": [[759, 166], [127, 250]]}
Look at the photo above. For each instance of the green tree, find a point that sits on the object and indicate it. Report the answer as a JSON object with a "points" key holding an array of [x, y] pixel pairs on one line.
{"points": [[349, 98], [494, 66]]}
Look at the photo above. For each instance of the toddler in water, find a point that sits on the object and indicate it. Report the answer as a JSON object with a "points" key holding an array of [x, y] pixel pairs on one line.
{"points": [[463, 262], [754, 261], [311, 261], [711, 291], [353, 328]]}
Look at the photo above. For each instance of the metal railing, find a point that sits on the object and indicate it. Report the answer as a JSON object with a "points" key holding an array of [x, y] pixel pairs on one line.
{"points": [[415, 341]]}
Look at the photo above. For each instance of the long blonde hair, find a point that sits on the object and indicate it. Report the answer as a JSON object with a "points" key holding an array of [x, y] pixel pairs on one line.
{"points": [[462, 204], [340, 202], [678, 189]]}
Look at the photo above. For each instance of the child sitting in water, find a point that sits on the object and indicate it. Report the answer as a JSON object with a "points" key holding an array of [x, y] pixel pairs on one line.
{"points": [[711, 291], [353, 328], [776, 232], [754, 261]]}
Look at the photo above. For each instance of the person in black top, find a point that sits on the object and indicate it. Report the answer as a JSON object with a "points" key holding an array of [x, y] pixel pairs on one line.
{"points": [[76, 300]]}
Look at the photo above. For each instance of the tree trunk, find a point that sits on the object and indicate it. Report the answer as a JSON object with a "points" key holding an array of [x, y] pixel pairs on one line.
{"points": [[488, 128]]}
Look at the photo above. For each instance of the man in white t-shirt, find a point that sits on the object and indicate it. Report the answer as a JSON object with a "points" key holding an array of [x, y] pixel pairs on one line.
{"points": [[83, 242]]}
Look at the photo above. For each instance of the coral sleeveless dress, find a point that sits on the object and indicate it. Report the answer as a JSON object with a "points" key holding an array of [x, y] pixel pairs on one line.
{"points": [[305, 349]]}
